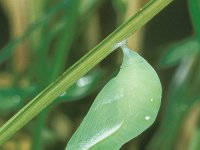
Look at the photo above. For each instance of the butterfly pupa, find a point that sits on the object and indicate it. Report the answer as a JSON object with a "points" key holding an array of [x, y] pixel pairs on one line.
{"points": [[126, 106]]}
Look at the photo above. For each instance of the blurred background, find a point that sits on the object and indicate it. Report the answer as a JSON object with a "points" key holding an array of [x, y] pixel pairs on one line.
{"points": [[41, 39]]}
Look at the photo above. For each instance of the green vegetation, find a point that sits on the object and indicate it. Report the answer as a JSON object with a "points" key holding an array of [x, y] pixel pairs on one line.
{"points": [[54, 36]]}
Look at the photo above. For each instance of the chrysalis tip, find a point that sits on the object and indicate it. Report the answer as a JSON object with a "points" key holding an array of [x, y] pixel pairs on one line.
{"points": [[120, 44]]}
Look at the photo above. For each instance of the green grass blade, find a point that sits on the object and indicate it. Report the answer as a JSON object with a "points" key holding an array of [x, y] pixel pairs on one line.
{"points": [[179, 51], [6, 52], [61, 51], [194, 144], [194, 6], [64, 43]]}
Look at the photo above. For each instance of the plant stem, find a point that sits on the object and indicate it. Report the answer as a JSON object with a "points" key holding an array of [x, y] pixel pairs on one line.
{"points": [[86, 63], [62, 49], [194, 6], [39, 126], [66, 39]]}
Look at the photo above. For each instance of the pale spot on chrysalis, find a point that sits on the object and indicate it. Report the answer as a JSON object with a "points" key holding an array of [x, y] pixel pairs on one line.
{"points": [[147, 117]]}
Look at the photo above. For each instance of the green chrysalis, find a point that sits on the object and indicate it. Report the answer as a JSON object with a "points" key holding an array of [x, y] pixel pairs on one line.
{"points": [[125, 107]]}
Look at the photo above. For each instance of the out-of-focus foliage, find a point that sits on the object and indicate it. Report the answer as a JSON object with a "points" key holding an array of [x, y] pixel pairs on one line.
{"points": [[180, 51], [183, 91], [54, 34]]}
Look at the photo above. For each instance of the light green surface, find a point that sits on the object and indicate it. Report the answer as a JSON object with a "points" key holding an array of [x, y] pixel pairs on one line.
{"points": [[126, 106]]}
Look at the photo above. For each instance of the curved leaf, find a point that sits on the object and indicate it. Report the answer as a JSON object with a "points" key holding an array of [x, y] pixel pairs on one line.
{"points": [[177, 52]]}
